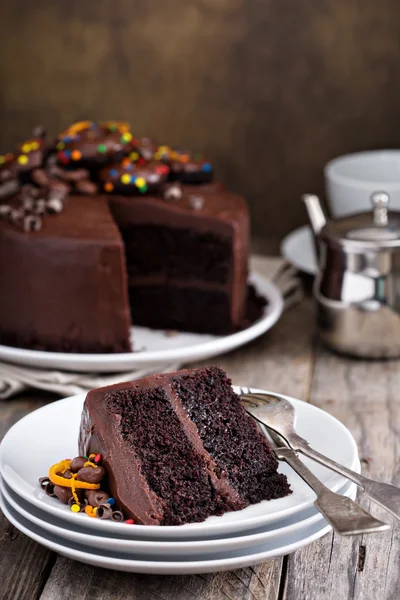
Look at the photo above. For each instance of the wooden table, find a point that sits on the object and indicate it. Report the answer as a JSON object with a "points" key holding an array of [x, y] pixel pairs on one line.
{"points": [[365, 396]]}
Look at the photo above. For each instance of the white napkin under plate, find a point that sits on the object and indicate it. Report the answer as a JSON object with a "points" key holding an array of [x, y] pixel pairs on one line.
{"points": [[15, 379]]}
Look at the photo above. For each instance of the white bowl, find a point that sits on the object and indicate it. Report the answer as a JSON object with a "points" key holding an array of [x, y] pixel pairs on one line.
{"points": [[350, 180]]}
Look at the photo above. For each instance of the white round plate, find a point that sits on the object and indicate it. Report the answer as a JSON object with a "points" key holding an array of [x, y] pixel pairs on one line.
{"points": [[50, 434], [167, 549], [185, 566], [298, 249], [156, 347]]}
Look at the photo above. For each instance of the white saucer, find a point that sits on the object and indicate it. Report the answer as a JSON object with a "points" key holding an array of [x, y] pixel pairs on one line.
{"points": [[187, 565], [298, 249], [292, 525], [155, 347], [50, 434]]}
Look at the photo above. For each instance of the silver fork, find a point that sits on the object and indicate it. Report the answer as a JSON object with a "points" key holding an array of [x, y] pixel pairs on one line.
{"points": [[277, 413], [342, 513]]}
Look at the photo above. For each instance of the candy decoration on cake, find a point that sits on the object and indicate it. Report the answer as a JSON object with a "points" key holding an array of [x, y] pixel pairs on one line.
{"points": [[89, 157], [185, 167], [77, 482], [133, 178]]}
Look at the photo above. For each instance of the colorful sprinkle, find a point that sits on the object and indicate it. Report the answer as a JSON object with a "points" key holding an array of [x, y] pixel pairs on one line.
{"points": [[22, 159], [62, 157], [66, 139], [113, 173], [141, 161], [126, 162], [112, 127], [134, 156], [97, 458], [108, 186], [143, 189], [162, 169], [102, 148], [35, 145], [75, 508], [126, 137], [130, 522], [129, 167], [67, 153], [76, 155], [207, 168], [126, 178], [140, 182], [60, 146], [26, 147], [2, 160], [111, 501]]}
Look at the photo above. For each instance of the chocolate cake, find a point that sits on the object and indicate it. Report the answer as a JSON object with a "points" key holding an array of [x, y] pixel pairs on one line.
{"points": [[179, 447], [101, 229]]}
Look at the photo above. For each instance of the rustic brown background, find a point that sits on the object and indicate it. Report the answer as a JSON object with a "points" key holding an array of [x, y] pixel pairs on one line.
{"points": [[270, 89]]}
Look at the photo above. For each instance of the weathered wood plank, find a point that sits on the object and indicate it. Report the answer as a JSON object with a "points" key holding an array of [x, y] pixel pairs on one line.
{"points": [[280, 360], [24, 565], [364, 396]]}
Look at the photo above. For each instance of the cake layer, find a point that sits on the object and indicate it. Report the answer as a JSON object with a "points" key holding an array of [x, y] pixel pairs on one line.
{"points": [[178, 253], [64, 288], [183, 308], [179, 447]]}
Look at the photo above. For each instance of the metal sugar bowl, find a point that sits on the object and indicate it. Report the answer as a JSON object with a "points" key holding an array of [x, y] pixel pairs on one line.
{"points": [[357, 288]]}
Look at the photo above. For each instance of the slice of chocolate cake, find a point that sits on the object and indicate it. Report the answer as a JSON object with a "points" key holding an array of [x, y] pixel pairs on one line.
{"points": [[179, 447]]}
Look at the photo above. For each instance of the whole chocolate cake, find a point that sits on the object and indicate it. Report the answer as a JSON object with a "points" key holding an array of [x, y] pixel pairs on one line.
{"points": [[100, 229], [178, 447]]}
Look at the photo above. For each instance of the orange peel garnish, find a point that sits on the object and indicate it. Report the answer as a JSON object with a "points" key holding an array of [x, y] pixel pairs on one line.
{"points": [[61, 467]]}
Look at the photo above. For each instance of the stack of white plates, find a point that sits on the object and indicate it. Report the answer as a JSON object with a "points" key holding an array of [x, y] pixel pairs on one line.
{"points": [[234, 540]]}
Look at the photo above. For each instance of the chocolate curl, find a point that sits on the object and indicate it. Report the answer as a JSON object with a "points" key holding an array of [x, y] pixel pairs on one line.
{"points": [[117, 516], [196, 202], [32, 223], [8, 188], [39, 208], [16, 216], [173, 192], [104, 511], [66, 175], [43, 481], [82, 503], [5, 210], [49, 489]]}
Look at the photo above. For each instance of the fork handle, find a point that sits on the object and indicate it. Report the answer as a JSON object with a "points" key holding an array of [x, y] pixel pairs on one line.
{"points": [[384, 494], [342, 513]]}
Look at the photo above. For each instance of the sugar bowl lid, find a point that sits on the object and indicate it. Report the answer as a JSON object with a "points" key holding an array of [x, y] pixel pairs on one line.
{"points": [[378, 228]]}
